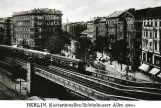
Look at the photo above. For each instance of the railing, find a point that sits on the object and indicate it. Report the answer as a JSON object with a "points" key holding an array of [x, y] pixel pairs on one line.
{"points": [[112, 87], [117, 79], [76, 87]]}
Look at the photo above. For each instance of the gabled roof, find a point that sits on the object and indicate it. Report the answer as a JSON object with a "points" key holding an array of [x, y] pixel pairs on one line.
{"points": [[116, 14]]}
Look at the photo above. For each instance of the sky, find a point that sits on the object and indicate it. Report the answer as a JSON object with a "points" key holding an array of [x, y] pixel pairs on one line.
{"points": [[75, 10]]}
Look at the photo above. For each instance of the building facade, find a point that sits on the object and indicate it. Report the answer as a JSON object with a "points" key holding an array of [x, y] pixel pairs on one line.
{"points": [[5, 30], [115, 32], [151, 35], [130, 36], [92, 29], [137, 49], [76, 28], [124, 36], [102, 28], [35, 27]]}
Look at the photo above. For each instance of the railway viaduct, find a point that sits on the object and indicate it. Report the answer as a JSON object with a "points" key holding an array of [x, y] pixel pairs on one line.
{"points": [[96, 87]]}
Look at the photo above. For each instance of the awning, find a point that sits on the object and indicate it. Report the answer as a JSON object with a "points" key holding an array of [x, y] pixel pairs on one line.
{"points": [[154, 71], [159, 75], [144, 67]]}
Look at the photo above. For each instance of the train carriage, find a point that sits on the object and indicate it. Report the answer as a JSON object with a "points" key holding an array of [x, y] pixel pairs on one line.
{"points": [[66, 62], [38, 56], [44, 58]]}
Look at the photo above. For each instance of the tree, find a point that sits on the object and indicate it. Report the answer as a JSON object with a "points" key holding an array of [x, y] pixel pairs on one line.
{"points": [[121, 52], [66, 37], [101, 44], [84, 49], [55, 44]]}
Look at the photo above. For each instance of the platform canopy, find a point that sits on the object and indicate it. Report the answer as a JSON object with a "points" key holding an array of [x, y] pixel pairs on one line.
{"points": [[154, 71], [144, 67]]}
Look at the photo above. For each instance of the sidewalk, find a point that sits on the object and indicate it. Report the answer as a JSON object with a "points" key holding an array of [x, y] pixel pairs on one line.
{"points": [[138, 75]]}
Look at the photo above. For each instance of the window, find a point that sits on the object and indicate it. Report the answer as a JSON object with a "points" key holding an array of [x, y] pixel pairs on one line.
{"points": [[155, 34], [146, 44], [55, 22], [150, 48], [150, 34], [143, 43], [155, 46], [156, 24], [144, 56], [157, 60]]}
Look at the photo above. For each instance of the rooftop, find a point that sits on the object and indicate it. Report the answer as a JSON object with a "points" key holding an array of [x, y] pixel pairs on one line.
{"points": [[103, 20], [116, 14], [153, 12], [38, 10], [94, 20], [138, 14]]}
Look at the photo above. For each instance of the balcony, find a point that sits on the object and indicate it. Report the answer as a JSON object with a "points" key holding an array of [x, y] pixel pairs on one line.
{"points": [[156, 39], [145, 37], [150, 39], [156, 51], [151, 49], [155, 28]]}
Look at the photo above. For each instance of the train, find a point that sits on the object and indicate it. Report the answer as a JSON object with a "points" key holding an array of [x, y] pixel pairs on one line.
{"points": [[43, 58]]}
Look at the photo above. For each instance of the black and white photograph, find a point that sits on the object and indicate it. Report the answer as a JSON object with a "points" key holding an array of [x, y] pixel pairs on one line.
{"points": [[80, 50]]}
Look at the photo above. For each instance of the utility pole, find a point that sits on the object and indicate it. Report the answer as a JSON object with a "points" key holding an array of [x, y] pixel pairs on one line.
{"points": [[20, 85]]}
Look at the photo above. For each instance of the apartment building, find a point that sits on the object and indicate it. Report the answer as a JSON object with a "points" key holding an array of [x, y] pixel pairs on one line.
{"points": [[92, 29], [151, 35], [36, 26], [5, 30]]}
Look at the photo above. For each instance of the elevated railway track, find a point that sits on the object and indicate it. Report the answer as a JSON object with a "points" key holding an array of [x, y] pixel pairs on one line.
{"points": [[102, 83], [103, 86]]}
